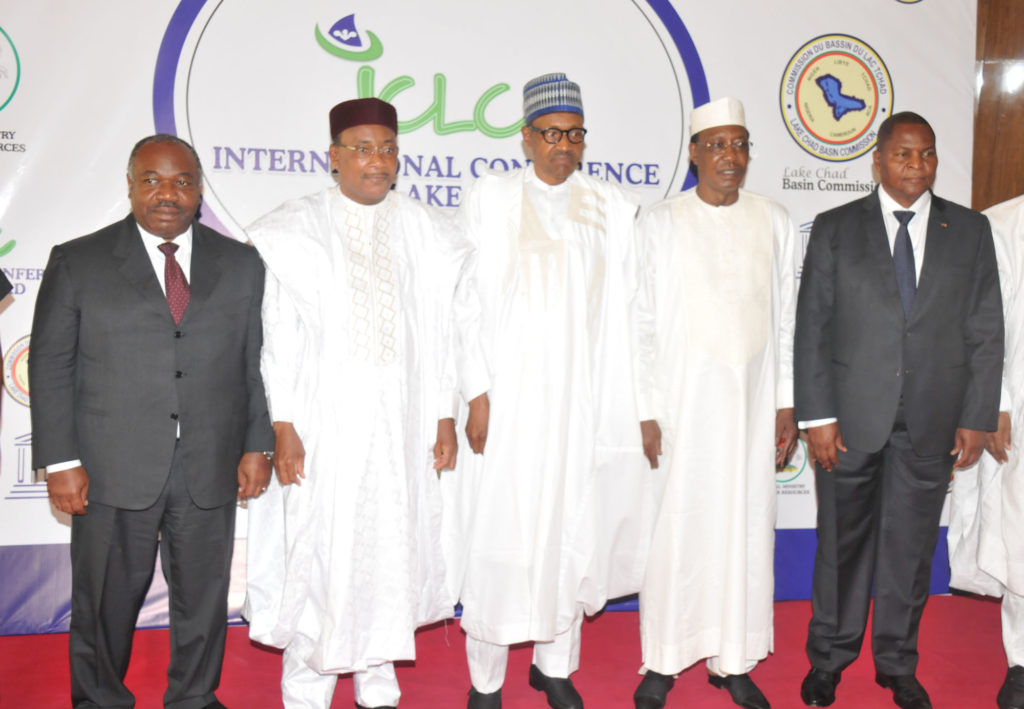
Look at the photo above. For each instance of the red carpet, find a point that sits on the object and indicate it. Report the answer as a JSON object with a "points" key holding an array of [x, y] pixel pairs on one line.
{"points": [[962, 666]]}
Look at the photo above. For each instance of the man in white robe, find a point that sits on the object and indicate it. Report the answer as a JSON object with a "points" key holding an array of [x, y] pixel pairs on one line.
{"points": [[986, 524], [344, 557], [548, 520], [716, 342]]}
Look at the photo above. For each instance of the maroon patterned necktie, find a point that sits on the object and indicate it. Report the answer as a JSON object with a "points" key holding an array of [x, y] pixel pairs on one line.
{"points": [[174, 282]]}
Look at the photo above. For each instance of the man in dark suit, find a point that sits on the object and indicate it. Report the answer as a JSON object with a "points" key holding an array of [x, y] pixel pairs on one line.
{"points": [[898, 357], [149, 415]]}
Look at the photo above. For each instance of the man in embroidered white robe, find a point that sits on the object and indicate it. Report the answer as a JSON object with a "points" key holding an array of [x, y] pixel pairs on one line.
{"points": [[716, 330], [344, 554], [550, 513], [986, 514]]}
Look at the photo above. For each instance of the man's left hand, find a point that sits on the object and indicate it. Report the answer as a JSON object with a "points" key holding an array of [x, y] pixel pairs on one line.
{"points": [[253, 475], [446, 446], [785, 436], [969, 445]]}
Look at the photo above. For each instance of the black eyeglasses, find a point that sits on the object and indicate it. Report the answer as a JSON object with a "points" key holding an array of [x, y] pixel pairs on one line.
{"points": [[554, 135]]}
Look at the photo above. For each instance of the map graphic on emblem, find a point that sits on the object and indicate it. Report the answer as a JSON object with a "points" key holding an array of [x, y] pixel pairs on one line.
{"points": [[835, 92], [16, 371]]}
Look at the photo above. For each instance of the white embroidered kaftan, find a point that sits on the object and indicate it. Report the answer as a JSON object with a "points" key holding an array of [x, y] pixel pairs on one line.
{"points": [[716, 342], [357, 311]]}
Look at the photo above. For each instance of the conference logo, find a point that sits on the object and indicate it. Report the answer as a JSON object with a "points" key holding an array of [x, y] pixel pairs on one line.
{"points": [[10, 69], [16, 371], [795, 467], [258, 118], [344, 32], [834, 93], [344, 40]]}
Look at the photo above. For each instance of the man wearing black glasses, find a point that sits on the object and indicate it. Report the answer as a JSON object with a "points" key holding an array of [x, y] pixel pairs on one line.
{"points": [[541, 541], [716, 353]]}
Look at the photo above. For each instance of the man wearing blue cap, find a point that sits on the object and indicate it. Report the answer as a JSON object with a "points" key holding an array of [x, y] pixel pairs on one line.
{"points": [[541, 543]]}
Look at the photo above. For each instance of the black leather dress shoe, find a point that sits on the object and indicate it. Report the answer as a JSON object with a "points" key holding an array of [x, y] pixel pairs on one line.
{"points": [[907, 692], [559, 690], [652, 691], [1011, 694], [743, 690], [479, 700], [215, 705], [819, 687]]}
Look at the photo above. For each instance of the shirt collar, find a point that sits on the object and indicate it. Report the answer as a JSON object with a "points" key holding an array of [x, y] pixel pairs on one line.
{"points": [[183, 240], [889, 205]]}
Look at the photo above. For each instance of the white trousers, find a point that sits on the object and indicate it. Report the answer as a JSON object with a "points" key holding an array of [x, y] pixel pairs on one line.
{"points": [[302, 687], [1013, 627], [715, 667], [558, 658]]}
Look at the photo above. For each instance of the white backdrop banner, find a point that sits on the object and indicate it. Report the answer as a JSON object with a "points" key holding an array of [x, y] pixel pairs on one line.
{"points": [[250, 83]]}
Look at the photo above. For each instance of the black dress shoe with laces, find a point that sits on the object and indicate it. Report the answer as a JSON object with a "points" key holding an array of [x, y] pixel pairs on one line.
{"points": [[479, 700], [819, 687], [559, 690], [907, 692], [653, 690], [1011, 694], [742, 689]]}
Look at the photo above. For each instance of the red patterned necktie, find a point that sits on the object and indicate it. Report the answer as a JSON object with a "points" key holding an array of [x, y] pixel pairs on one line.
{"points": [[174, 282]]}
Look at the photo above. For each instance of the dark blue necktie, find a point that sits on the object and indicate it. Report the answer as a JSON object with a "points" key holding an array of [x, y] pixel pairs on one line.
{"points": [[903, 262]]}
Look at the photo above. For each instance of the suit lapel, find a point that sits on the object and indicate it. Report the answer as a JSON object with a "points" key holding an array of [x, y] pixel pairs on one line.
{"points": [[206, 270], [880, 254], [133, 263]]}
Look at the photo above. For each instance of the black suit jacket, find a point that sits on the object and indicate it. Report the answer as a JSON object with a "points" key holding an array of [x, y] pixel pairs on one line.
{"points": [[113, 376], [855, 352]]}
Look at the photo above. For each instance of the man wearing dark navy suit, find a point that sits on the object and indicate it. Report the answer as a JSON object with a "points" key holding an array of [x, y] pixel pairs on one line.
{"points": [[897, 365], [149, 416]]}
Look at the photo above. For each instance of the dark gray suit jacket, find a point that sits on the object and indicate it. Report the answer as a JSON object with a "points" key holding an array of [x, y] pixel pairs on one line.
{"points": [[113, 376], [855, 352]]}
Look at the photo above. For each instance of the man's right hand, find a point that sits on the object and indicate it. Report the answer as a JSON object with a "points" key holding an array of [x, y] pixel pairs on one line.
{"points": [[69, 490], [289, 454], [824, 443], [650, 434]]}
